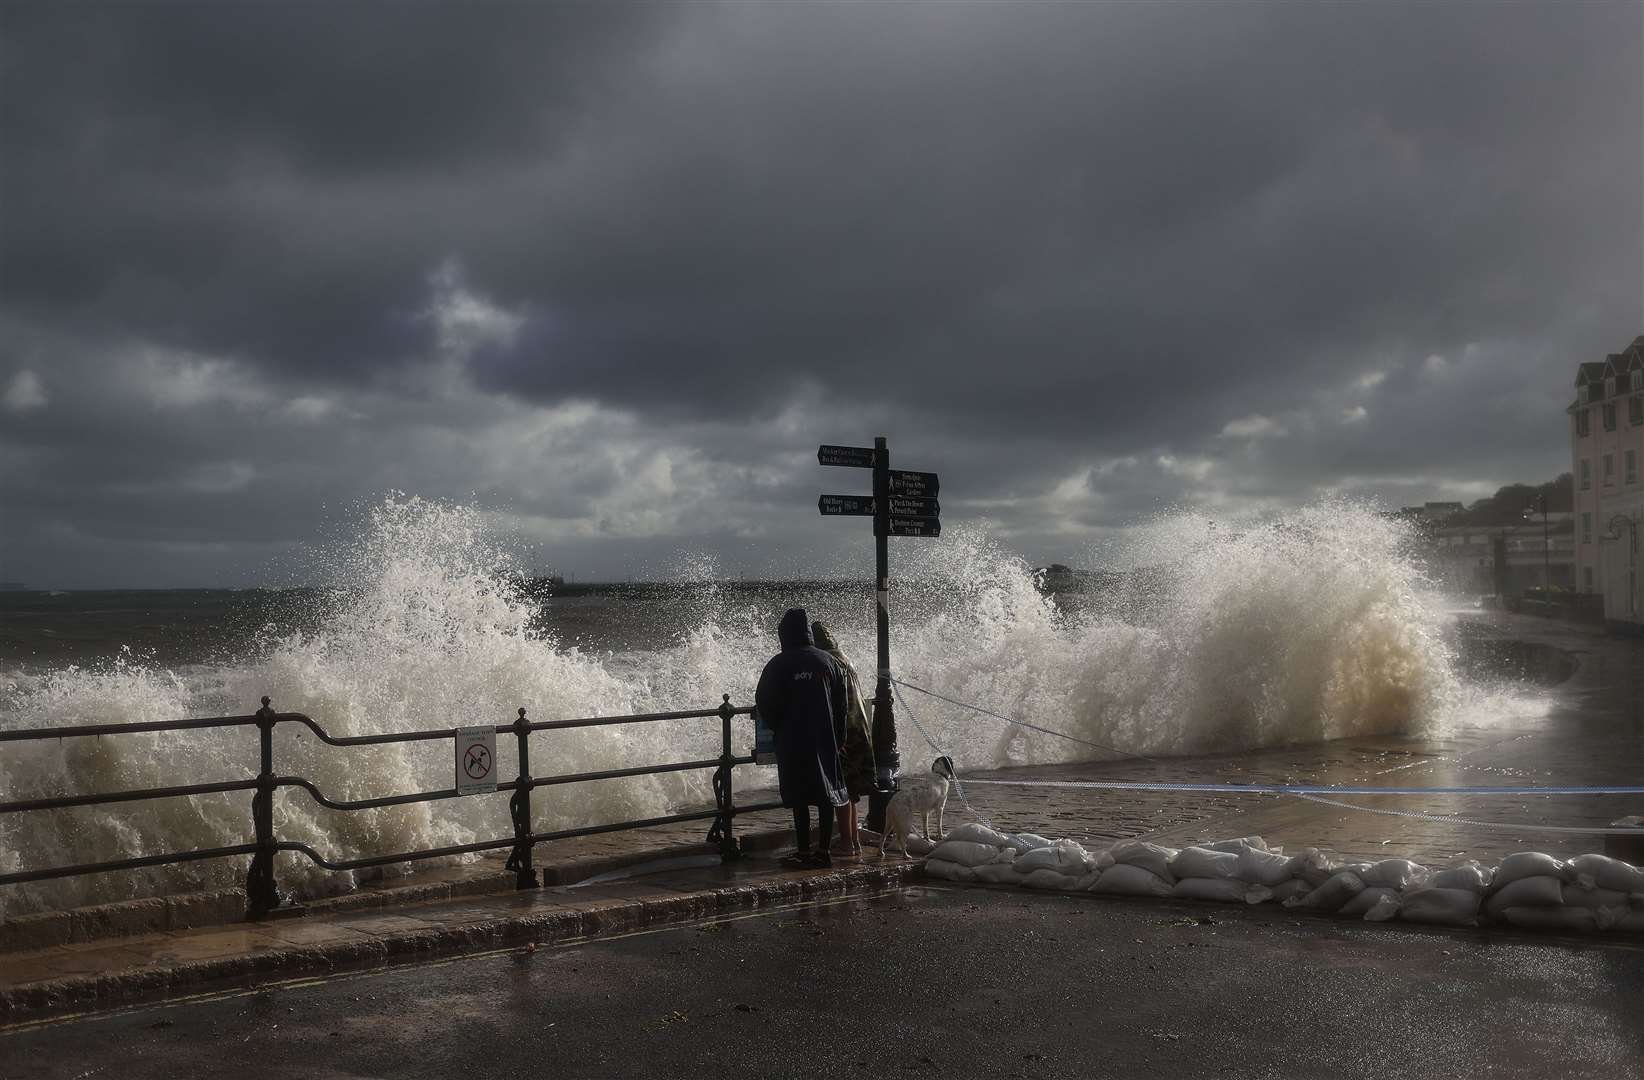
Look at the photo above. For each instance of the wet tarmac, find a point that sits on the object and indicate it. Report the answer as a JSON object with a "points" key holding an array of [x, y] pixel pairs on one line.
{"points": [[931, 982]]}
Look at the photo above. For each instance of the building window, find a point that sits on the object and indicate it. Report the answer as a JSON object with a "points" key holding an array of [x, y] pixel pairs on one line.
{"points": [[1584, 423], [1588, 577], [1635, 407], [1586, 528], [1636, 380], [1630, 460], [1590, 394], [1609, 387], [1586, 475], [1609, 417], [1609, 469]]}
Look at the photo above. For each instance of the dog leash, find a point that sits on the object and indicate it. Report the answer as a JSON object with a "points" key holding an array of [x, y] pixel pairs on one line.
{"points": [[957, 783]]}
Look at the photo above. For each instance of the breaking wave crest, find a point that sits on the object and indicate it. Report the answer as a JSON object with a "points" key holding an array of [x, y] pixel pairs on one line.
{"points": [[1310, 628]]}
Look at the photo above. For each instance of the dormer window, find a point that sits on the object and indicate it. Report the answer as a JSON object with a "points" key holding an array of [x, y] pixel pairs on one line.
{"points": [[1590, 393], [1609, 387], [1584, 423], [1635, 411], [1636, 380], [1609, 417]]}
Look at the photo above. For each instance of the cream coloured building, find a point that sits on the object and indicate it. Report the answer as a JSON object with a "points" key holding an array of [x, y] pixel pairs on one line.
{"points": [[1607, 456]]}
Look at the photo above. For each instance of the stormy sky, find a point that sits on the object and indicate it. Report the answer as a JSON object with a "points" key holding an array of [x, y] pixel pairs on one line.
{"points": [[612, 271]]}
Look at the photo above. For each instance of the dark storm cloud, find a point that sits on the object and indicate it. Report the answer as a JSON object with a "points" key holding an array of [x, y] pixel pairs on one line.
{"points": [[615, 269]]}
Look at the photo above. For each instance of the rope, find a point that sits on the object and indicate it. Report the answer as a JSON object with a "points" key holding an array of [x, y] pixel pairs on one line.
{"points": [[1448, 820], [1310, 789], [1019, 723], [957, 783]]}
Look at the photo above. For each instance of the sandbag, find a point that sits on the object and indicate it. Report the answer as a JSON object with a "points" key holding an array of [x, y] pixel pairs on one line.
{"points": [[1331, 895], [1581, 920], [1320, 869], [919, 845], [1150, 857], [1444, 907], [1293, 887], [1025, 842], [1198, 862], [1523, 864], [1064, 857], [965, 853], [1265, 868], [1576, 896], [1007, 855], [1395, 874], [1243, 843], [1384, 909], [1365, 900], [1603, 872], [1221, 890], [974, 832], [1539, 891], [1468, 875], [1629, 922], [998, 873], [1127, 879], [949, 871], [1050, 879]]}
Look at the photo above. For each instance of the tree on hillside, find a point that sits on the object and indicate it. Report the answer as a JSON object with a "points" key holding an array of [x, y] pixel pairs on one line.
{"points": [[1509, 504]]}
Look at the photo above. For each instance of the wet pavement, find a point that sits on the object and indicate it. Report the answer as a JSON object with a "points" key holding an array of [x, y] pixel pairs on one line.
{"points": [[928, 982]]}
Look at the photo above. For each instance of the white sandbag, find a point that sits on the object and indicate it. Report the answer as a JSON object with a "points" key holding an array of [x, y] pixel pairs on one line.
{"points": [[1126, 879], [919, 845], [1265, 868], [1444, 907], [974, 832], [1603, 872], [1629, 921], [1198, 862], [998, 873], [1365, 900], [1243, 843], [1153, 858], [1050, 879], [1384, 909], [1523, 864], [1221, 890], [1576, 896], [1539, 891], [1007, 855], [1579, 920], [949, 871], [1064, 857], [1320, 869], [1293, 887], [1025, 842], [965, 853], [1467, 875], [1395, 874], [1331, 895]]}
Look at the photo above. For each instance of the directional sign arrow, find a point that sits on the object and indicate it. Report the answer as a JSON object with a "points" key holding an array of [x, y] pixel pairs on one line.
{"points": [[857, 505], [858, 457], [917, 484], [915, 526], [902, 506]]}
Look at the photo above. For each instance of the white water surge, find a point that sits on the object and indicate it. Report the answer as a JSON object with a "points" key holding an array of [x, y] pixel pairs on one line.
{"points": [[1310, 629]]}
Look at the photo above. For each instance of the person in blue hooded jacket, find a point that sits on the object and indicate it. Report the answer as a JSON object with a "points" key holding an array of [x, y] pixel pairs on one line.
{"points": [[803, 697]]}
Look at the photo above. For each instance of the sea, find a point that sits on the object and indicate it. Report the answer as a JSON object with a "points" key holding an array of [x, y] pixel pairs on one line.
{"points": [[1314, 626]]}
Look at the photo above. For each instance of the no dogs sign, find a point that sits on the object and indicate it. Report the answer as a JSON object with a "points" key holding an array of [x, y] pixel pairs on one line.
{"points": [[476, 760]]}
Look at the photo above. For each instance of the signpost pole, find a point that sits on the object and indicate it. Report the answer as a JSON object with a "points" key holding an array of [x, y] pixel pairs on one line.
{"points": [[886, 758]]}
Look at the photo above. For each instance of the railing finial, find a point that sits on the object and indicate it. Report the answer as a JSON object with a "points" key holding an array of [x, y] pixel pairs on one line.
{"points": [[522, 712]]}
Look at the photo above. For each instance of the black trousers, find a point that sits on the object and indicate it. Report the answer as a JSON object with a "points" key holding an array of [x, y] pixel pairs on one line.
{"points": [[802, 826]]}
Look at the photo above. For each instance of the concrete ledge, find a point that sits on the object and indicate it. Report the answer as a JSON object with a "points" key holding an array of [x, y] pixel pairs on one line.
{"points": [[545, 925], [121, 919]]}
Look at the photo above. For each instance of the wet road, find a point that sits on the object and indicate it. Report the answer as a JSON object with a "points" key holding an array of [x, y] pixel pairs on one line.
{"points": [[934, 982]]}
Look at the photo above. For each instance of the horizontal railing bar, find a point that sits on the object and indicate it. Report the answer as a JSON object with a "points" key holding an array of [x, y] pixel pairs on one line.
{"points": [[28, 734], [125, 864], [493, 845], [638, 718], [758, 807], [638, 770], [372, 740], [126, 796]]}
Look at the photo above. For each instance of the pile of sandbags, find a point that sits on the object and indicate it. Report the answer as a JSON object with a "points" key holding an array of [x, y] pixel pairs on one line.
{"points": [[1529, 889]]}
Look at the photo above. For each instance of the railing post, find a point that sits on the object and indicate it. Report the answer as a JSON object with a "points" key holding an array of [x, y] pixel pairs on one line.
{"points": [[261, 894], [723, 829], [519, 807]]}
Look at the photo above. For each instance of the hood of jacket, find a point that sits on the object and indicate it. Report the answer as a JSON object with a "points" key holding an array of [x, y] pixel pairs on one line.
{"points": [[795, 629]]}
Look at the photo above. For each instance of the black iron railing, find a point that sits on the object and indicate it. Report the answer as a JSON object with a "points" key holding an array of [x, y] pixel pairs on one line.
{"points": [[262, 892]]}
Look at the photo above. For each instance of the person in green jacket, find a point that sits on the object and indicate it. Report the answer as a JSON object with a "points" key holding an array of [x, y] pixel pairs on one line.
{"points": [[856, 756]]}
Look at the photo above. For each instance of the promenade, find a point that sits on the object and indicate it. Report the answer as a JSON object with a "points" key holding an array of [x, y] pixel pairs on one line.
{"points": [[1591, 731]]}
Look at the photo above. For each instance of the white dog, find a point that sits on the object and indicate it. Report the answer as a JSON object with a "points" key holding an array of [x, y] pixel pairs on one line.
{"points": [[917, 798]]}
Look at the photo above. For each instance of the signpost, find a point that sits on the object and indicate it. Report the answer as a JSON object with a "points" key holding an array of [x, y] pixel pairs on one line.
{"points": [[476, 760], [902, 504]]}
